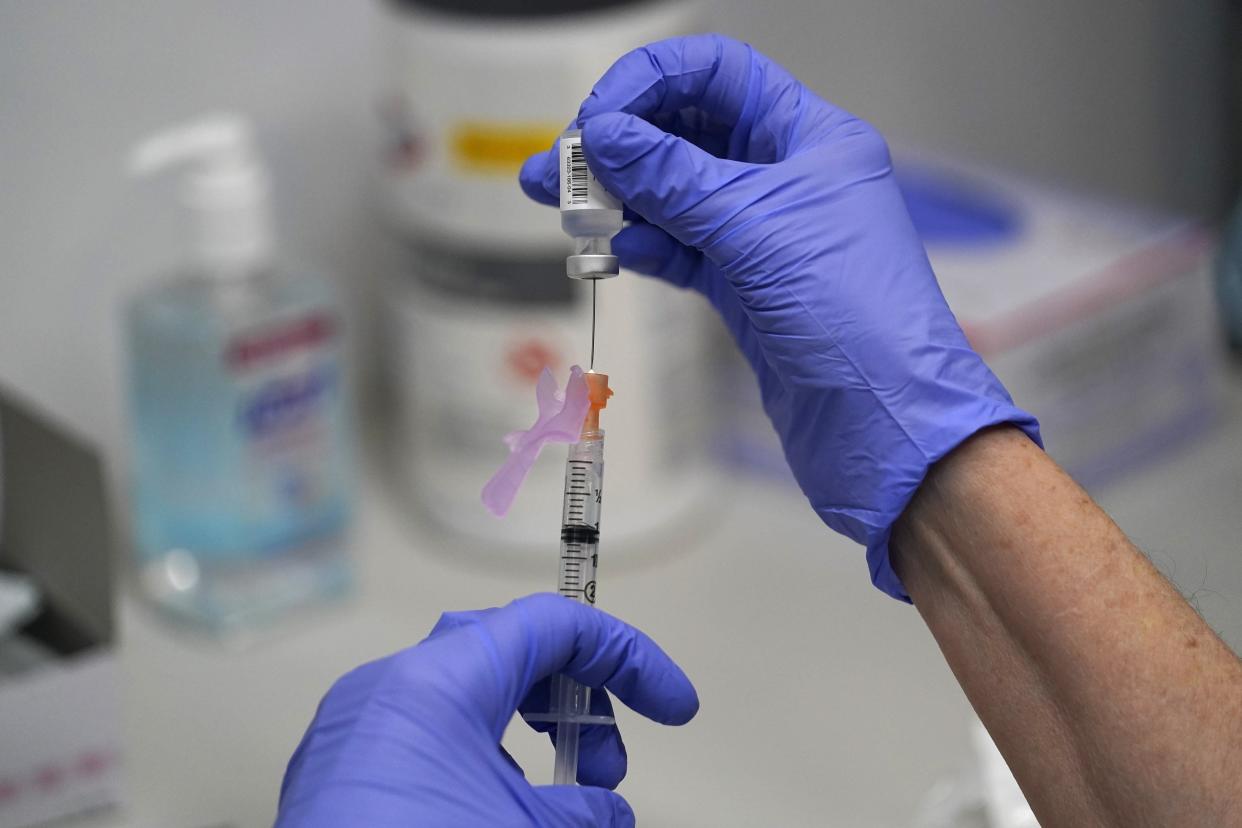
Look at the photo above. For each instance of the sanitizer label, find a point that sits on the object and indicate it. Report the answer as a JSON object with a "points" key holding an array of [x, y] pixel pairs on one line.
{"points": [[580, 190], [288, 416]]}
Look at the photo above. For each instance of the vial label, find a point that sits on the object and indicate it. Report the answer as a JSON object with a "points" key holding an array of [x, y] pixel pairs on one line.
{"points": [[580, 190]]}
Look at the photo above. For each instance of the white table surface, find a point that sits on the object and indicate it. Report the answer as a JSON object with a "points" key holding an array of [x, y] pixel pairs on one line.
{"points": [[823, 702]]}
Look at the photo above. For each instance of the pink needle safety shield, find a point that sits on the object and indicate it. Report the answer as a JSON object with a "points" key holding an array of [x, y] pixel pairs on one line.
{"points": [[560, 420]]}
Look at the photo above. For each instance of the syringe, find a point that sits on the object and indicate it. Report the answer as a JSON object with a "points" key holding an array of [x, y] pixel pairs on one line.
{"points": [[592, 216], [570, 701]]}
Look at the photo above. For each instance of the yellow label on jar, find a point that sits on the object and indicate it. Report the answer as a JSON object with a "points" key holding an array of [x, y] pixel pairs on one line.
{"points": [[498, 147]]}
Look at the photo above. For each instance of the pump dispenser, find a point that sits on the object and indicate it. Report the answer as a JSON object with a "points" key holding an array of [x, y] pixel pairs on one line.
{"points": [[226, 189], [240, 427]]}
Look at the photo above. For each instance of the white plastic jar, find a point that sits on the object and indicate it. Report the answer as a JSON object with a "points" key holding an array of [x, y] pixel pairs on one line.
{"points": [[485, 303]]}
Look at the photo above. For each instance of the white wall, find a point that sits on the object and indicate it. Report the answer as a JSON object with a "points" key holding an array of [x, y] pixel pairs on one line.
{"points": [[1118, 95], [1103, 93]]}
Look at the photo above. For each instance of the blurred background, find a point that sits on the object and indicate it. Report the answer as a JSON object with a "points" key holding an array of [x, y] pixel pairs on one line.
{"points": [[1071, 165]]}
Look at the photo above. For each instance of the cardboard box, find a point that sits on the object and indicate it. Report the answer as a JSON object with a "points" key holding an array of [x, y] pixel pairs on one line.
{"points": [[60, 749], [1097, 317]]}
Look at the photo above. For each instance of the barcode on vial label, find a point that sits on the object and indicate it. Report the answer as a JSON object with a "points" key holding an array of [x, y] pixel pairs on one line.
{"points": [[578, 172]]}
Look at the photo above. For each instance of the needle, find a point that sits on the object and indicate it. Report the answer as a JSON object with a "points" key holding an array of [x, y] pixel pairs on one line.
{"points": [[594, 282]]}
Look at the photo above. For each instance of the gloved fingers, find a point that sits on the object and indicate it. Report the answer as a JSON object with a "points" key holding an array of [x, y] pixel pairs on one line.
{"points": [[539, 177], [665, 179], [452, 620], [696, 127], [540, 180], [602, 760], [708, 72], [540, 635], [510, 761], [649, 250], [585, 806], [766, 110], [539, 700]]}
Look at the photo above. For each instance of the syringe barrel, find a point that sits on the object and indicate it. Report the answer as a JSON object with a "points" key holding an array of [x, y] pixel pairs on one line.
{"points": [[580, 517], [584, 488]]}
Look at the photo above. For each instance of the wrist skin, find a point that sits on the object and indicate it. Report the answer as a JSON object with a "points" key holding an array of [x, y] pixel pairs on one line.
{"points": [[1110, 698]]}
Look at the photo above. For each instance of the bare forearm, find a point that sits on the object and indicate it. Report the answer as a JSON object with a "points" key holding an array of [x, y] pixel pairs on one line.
{"points": [[1112, 701]]}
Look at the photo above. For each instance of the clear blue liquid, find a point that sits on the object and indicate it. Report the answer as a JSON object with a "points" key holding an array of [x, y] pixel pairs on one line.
{"points": [[241, 445]]}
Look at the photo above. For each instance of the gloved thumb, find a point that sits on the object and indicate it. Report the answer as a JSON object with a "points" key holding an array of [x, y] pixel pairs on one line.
{"points": [[586, 806], [663, 178]]}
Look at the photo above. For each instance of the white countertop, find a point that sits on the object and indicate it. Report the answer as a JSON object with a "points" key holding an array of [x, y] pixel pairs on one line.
{"points": [[823, 701]]}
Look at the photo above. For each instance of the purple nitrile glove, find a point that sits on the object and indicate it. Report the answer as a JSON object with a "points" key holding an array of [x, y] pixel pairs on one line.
{"points": [[783, 211], [414, 738]]}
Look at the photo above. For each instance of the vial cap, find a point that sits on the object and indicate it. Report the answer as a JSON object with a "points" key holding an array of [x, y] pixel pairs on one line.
{"points": [[591, 266]]}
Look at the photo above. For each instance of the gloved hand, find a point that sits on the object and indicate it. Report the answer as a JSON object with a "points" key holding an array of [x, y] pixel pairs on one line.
{"points": [[414, 738], [782, 210]]}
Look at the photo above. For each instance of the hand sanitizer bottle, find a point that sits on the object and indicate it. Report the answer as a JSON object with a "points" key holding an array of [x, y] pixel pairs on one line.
{"points": [[239, 408]]}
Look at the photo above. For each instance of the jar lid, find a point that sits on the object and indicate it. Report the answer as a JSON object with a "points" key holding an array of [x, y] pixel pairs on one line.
{"points": [[515, 8]]}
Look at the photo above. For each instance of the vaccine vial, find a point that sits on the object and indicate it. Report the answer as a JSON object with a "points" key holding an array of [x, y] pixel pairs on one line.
{"points": [[590, 215]]}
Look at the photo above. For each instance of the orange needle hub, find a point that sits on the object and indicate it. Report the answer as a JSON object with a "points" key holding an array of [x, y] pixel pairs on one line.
{"points": [[598, 393]]}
